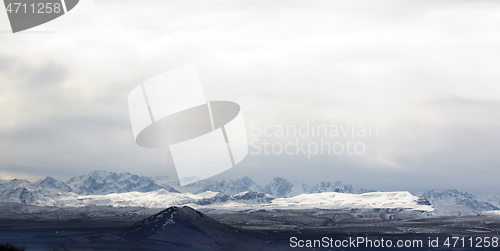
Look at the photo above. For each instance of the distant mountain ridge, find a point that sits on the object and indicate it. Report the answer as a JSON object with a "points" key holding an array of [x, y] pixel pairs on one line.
{"points": [[45, 192], [49, 191], [278, 187], [461, 203], [103, 182]]}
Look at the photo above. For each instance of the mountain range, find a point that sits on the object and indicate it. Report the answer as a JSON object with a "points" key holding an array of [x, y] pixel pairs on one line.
{"points": [[125, 189]]}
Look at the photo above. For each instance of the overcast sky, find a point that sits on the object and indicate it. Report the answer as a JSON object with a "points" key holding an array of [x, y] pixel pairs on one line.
{"points": [[425, 73]]}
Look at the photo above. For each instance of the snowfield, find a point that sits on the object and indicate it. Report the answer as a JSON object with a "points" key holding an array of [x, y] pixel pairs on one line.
{"points": [[155, 199], [102, 188], [333, 200], [329, 200]]}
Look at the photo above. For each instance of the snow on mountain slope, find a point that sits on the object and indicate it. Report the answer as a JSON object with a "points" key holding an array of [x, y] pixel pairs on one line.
{"points": [[154, 199], [455, 210], [22, 193], [493, 199], [491, 213], [252, 197], [280, 187], [160, 199], [3, 182], [51, 183], [163, 180], [333, 200], [252, 200], [451, 197], [228, 187], [12, 183], [333, 187], [125, 189], [103, 182], [241, 201]]}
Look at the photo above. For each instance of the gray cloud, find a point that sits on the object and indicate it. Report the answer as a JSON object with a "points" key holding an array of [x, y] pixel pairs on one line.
{"points": [[424, 72]]}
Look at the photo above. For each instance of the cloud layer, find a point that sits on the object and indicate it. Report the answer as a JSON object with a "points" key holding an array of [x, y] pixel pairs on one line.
{"points": [[425, 73]]}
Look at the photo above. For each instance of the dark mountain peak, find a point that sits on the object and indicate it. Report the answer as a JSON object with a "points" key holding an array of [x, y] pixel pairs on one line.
{"points": [[173, 215], [187, 227], [152, 224]]}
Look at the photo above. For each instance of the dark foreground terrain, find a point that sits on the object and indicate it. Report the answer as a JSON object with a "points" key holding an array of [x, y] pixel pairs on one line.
{"points": [[182, 228]]}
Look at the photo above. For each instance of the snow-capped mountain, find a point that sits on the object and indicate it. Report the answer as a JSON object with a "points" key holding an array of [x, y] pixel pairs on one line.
{"points": [[25, 194], [154, 199], [493, 199], [128, 190], [12, 183], [280, 187], [103, 182], [396, 201], [333, 187], [51, 183], [228, 187], [252, 197], [248, 201], [448, 197], [453, 202]]}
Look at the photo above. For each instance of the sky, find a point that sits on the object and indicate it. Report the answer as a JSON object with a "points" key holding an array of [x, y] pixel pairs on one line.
{"points": [[424, 73]]}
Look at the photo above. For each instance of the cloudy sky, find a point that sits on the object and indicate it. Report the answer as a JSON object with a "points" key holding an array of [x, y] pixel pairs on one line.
{"points": [[425, 73]]}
